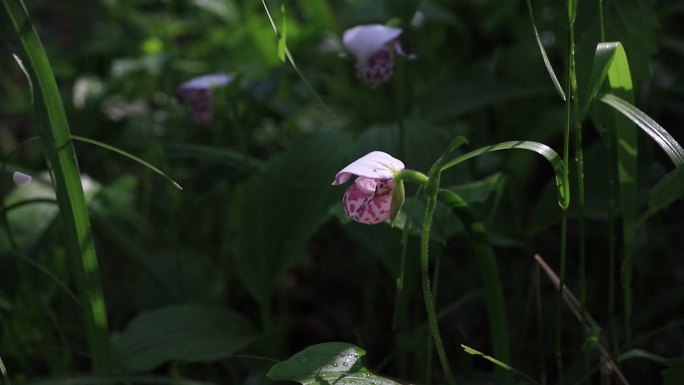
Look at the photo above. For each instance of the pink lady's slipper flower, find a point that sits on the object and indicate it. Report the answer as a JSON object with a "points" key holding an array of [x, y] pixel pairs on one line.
{"points": [[369, 199], [374, 46], [197, 94]]}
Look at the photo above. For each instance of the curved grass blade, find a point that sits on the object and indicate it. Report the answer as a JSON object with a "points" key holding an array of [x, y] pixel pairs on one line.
{"points": [[498, 363], [562, 184], [662, 138], [59, 151], [127, 155], [547, 63], [282, 45], [485, 260], [604, 56]]}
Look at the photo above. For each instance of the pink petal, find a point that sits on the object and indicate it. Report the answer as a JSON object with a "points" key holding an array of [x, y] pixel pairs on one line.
{"points": [[369, 208], [363, 41], [374, 165]]}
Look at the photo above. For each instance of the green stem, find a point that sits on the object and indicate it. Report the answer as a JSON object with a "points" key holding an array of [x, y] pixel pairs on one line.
{"points": [[425, 278]]}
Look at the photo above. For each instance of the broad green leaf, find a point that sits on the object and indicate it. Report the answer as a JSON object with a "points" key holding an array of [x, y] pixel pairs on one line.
{"points": [[547, 63], [669, 189], [58, 149], [284, 205], [336, 363], [189, 333], [662, 138], [29, 221], [562, 184]]}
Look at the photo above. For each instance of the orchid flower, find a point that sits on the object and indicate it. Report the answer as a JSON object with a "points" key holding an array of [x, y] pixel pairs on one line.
{"points": [[369, 199], [197, 94], [374, 46]]}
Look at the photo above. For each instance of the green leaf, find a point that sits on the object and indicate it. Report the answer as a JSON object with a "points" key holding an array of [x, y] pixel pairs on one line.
{"points": [[603, 59], [55, 136], [662, 138], [669, 189], [181, 333], [562, 184], [282, 38], [547, 63], [336, 363], [284, 205]]}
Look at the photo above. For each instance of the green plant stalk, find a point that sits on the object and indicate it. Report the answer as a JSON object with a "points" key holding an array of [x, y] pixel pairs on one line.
{"points": [[425, 276], [611, 160], [56, 140], [485, 259], [579, 162]]}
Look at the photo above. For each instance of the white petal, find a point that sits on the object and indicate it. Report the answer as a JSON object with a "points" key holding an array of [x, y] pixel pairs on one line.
{"points": [[206, 81], [376, 165], [363, 41]]}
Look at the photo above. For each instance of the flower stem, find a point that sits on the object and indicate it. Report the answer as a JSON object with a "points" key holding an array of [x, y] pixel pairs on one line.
{"points": [[425, 278]]}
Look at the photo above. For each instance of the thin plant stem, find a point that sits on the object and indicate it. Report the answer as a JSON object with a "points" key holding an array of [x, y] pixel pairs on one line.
{"points": [[579, 162], [425, 278]]}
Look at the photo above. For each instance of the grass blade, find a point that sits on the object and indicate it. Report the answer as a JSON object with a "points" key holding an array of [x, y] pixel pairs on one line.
{"points": [[58, 148], [498, 363], [562, 184], [662, 138], [127, 155], [547, 63]]}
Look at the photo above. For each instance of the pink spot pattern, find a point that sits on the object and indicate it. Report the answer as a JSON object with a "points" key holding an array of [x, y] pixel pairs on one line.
{"points": [[378, 69], [200, 103], [368, 206]]}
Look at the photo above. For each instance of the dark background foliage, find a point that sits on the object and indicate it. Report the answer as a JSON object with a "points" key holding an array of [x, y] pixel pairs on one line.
{"points": [[257, 242]]}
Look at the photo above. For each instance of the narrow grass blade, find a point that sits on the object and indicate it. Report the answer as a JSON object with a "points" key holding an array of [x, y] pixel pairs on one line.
{"points": [[127, 155], [485, 259], [498, 363], [282, 41], [562, 184], [547, 63], [662, 138], [58, 149]]}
